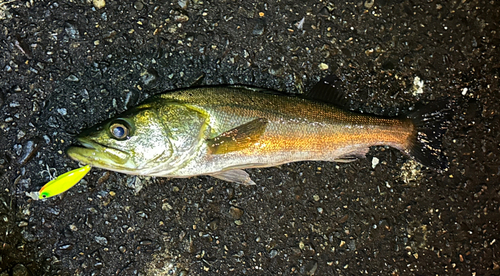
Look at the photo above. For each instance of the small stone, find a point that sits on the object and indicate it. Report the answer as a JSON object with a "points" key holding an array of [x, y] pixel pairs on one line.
{"points": [[146, 242], [62, 111], [142, 214], [66, 247], [300, 24], [295, 251], [172, 29], [101, 240], [28, 236], [52, 122], [18, 149], [26, 211], [316, 197], [54, 211], [183, 4], [375, 162], [418, 86], [21, 135], [23, 224], [276, 70], [71, 30], [236, 212], [207, 237], [72, 78], [309, 268], [166, 206], [344, 218], [99, 3], [230, 193], [84, 94], [181, 18], [323, 66], [259, 28], [238, 222], [214, 224], [138, 5], [150, 77], [352, 245], [273, 253]]}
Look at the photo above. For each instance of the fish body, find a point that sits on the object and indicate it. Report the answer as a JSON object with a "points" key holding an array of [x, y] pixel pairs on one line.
{"points": [[219, 131]]}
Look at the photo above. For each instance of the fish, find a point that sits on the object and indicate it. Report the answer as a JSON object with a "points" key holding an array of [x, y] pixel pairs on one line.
{"points": [[221, 130], [63, 182]]}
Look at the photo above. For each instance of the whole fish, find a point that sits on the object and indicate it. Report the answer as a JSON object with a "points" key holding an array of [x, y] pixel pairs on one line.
{"points": [[220, 131]]}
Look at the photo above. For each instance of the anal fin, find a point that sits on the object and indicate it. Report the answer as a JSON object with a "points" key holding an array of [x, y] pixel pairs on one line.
{"points": [[238, 176], [352, 155]]}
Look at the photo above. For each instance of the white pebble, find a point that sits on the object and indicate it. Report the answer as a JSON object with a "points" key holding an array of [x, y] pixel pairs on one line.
{"points": [[62, 111], [323, 66]]}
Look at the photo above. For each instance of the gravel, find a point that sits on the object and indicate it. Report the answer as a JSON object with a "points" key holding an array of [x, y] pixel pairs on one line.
{"points": [[69, 65]]}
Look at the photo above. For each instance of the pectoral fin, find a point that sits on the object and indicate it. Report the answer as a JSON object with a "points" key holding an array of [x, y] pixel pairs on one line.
{"points": [[239, 176], [238, 138]]}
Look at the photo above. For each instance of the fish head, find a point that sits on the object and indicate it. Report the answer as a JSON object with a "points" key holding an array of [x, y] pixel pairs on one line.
{"points": [[126, 143], [154, 138]]}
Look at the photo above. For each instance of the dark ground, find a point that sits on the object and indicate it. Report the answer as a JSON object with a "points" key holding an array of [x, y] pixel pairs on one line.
{"points": [[66, 65]]}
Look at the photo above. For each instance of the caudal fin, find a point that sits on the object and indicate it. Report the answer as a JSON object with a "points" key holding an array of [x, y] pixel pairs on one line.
{"points": [[431, 123]]}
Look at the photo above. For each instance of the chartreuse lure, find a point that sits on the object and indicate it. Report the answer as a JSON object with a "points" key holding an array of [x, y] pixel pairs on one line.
{"points": [[63, 182]]}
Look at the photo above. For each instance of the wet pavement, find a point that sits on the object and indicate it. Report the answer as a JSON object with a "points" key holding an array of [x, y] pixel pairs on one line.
{"points": [[66, 65]]}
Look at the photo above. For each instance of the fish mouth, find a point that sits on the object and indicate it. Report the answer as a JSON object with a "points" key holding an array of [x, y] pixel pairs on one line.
{"points": [[97, 155]]}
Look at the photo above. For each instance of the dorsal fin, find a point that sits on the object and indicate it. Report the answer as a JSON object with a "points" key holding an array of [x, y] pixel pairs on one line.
{"points": [[328, 90]]}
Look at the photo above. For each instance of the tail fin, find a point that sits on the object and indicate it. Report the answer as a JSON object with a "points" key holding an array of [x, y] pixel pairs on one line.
{"points": [[431, 123]]}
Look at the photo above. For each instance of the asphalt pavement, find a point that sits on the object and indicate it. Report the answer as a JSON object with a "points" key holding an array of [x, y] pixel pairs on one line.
{"points": [[67, 65]]}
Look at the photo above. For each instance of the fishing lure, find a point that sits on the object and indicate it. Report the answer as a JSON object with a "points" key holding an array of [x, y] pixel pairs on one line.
{"points": [[63, 182]]}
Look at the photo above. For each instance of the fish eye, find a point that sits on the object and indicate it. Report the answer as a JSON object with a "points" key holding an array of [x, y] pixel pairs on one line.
{"points": [[119, 130]]}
